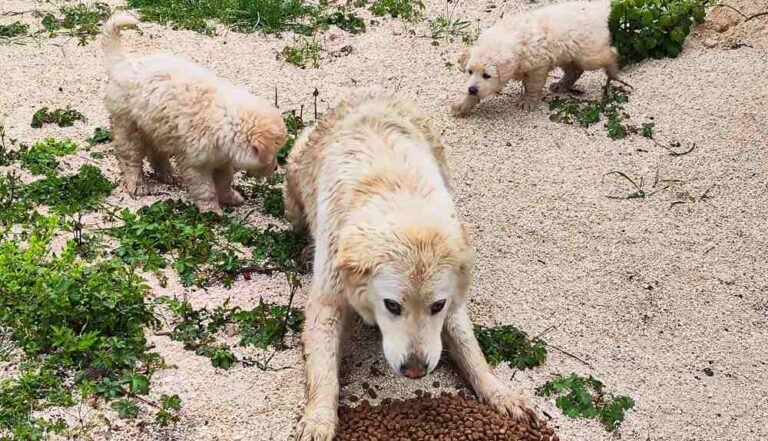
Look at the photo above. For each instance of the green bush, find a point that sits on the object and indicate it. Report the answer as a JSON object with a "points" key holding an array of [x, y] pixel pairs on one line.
{"points": [[643, 29]]}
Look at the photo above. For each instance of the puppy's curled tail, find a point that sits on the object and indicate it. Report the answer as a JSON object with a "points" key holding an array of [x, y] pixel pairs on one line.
{"points": [[110, 36]]}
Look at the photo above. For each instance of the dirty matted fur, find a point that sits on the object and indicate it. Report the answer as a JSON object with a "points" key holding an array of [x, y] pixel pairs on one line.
{"points": [[370, 183], [525, 47], [164, 106]]}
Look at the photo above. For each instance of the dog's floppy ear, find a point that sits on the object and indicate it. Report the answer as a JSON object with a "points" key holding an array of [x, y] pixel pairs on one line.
{"points": [[355, 254], [463, 60]]}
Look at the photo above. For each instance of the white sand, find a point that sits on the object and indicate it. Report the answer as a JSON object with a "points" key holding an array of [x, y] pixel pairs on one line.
{"points": [[647, 292]]}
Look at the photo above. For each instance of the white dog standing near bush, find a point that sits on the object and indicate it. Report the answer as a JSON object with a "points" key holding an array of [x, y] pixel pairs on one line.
{"points": [[525, 47]]}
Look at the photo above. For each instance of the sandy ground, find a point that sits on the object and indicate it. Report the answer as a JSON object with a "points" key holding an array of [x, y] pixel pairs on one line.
{"points": [[648, 292]]}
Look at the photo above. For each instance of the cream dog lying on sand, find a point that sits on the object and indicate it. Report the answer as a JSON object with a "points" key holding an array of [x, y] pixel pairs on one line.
{"points": [[369, 181], [525, 47], [164, 106]]}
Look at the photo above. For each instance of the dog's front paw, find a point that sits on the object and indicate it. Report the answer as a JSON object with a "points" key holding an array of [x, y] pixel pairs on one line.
{"points": [[233, 198], [137, 188], [209, 206], [512, 405], [464, 106], [317, 425], [527, 103]]}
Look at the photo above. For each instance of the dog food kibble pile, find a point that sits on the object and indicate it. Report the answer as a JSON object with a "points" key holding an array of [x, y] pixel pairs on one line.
{"points": [[445, 417]]}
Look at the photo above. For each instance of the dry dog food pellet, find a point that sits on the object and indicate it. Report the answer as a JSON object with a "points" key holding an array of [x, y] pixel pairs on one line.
{"points": [[442, 418]]}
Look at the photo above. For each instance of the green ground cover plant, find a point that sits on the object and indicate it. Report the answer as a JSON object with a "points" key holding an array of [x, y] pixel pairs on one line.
{"points": [[80, 326], [80, 20], [643, 29], [610, 108], [580, 397], [511, 345], [61, 117], [100, 136], [15, 29], [40, 157]]}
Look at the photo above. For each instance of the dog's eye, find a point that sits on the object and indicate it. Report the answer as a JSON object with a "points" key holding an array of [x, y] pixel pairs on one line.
{"points": [[392, 306], [437, 306], [486, 76], [469, 71]]}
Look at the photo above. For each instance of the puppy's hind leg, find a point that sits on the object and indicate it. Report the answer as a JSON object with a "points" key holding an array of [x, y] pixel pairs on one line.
{"points": [[294, 208], [467, 354], [325, 319], [199, 182], [130, 153], [227, 195], [161, 164], [572, 74]]}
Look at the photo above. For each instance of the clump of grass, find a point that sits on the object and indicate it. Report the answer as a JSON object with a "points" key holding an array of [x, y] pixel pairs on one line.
{"points": [[71, 194], [580, 397], [588, 112], [511, 345], [409, 10], [15, 29], [294, 123], [201, 247], [61, 117], [270, 192], [449, 27], [41, 156], [81, 20], [305, 53], [80, 326], [262, 327], [345, 20], [100, 136]]}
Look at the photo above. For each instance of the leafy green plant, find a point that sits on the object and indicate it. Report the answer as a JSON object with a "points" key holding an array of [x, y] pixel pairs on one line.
{"points": [[507, 343], [15, 29], [263, 327], [71, 194], [345, 20], [294, 123], [100, 136], [14, 207], [270, 192], [580, 397], [409, 10], [304, 53], [41, 157], [449, 27], [588, 112], [80, 20], [62, 117], [80, 326], [643, 29]]}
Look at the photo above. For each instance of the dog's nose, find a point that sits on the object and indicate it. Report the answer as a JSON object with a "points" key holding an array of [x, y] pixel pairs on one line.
{"points": [[472, 90], [413, 368]]}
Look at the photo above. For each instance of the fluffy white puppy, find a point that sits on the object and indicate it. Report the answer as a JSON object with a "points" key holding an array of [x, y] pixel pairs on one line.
{"points": [[164, 106], [525, 47]]}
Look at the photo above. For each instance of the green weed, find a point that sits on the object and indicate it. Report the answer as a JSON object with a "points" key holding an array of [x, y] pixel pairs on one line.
{"points": [[409, 10], [449, 27], [345, 20], [588, 112], [643, 29], [305, 53], [580, 397], [71, 194], [80, 326], [81, 20], [507, 343], [294, 123], [15, 29], [41, 157], [270, 192], [100, 136], [62, 117]]}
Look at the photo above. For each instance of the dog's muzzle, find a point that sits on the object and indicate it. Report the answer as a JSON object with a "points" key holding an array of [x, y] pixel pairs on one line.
{"points": [[414, 367]]}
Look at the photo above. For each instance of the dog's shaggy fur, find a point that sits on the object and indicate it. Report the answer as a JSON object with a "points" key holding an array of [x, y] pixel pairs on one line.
{"points": [[525, 47], [164, 106], [370, 183]]}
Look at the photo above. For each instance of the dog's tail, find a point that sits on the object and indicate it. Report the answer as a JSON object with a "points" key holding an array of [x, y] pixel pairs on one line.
{"points": [[110, 36]]}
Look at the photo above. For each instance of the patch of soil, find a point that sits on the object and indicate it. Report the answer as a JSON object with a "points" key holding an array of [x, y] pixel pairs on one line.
{"points": [[735, 24], [445, 417]]}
